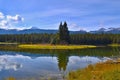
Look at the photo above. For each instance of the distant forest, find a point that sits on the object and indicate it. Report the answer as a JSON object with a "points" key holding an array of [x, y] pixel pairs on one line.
{"points": [[62, 37], [91, 39]]}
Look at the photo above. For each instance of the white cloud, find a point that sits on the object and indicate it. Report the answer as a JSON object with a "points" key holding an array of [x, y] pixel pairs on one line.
{"points": [[75, 27], [71, 26], [15, 18], [10, 22], [4, 24], [85, 59], [1, 15], [6, 63]]}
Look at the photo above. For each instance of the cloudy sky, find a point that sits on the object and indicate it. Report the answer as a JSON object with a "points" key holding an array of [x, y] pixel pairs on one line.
{"points": [[47, 14]]}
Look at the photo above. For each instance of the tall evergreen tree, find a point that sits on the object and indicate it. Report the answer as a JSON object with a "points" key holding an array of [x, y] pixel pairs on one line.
{"points": [[64, 36], [60, 31], [66, 33]]}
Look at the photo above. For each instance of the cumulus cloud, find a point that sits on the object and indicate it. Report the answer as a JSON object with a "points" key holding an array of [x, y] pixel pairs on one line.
{"points": [[7, 64], [1, 15], [85, 59], [4, 24], [74, 27], [9, 21], [15, 18]]}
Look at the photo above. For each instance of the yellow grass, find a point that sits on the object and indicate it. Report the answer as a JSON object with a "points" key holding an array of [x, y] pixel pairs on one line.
{"points": [[10, 78], [101, 71], [47, 46], [114, 45], [7, 43]]}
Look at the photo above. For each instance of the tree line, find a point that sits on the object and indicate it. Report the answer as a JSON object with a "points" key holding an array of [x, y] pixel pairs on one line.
{"points": [[91, 39], [62, 37]]}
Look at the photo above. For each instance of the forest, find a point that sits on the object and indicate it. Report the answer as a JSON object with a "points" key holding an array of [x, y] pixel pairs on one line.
{"points": [[62, 37], [79, 39]]}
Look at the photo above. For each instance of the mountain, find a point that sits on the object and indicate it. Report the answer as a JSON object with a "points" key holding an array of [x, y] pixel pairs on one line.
{"points": [[12, 31], [50, 31], [78, 32], [101, 30], [114, 30], [29, 31], [34, 27], [107, 31], [35, 30]]}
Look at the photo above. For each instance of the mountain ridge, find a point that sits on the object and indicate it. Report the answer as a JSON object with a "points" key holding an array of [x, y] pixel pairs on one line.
{"points": [[52, 31]]}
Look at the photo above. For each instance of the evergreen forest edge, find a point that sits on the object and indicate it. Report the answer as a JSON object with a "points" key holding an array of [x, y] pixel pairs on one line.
{"points": [[62, 37]]}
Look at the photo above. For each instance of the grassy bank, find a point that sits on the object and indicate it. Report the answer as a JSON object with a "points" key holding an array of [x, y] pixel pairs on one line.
{"points": [[101, 71], [6, 43], [47, 46], [114, 45]]}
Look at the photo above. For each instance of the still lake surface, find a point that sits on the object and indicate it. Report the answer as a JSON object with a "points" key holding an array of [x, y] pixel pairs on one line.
{"points": [[50, 64]]}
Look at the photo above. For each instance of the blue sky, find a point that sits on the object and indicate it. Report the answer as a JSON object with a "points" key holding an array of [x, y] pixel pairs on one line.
{"points": [[47, 14]]}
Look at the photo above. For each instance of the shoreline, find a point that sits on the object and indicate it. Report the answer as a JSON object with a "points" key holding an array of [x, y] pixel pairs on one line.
{"points": [[53, 47], [114, 45], [109, 70]]}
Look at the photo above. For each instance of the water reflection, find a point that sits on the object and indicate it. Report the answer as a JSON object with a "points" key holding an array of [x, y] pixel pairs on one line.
{"points": [[26, 66], [49, 63], [63, 60], [6, 63], [48, 67]]}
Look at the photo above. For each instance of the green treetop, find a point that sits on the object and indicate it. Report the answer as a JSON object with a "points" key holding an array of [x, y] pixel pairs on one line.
{"points": [[64, 36]]}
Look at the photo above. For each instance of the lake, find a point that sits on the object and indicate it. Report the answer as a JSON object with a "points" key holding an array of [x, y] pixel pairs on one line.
{"points": [[50, 64]]}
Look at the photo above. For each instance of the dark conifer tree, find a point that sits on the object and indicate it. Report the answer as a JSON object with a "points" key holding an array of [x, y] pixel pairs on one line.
{"points": [[60, 31], [64, 36], [66, 33]]}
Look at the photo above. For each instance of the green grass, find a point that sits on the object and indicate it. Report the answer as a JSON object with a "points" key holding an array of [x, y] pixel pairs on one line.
{"points": [[47, 46], [100, 71]]}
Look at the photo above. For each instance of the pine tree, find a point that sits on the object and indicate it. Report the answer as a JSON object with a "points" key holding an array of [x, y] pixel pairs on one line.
{"points": [[64, 36], [61, 32], [66, 33]]}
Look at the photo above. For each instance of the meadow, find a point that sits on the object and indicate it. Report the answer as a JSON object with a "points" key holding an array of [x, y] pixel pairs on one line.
{"points": [[48, 46], [109, 70]]}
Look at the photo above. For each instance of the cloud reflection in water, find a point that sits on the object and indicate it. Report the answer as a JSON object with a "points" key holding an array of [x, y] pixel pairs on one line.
{"points": [[6, 63]]}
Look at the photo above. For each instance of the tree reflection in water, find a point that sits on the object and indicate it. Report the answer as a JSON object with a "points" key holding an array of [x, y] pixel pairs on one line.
{"points": [[63, 57]]}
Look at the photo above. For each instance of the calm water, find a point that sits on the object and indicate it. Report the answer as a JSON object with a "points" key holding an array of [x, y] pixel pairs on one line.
{"points": [[45, 64]]}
